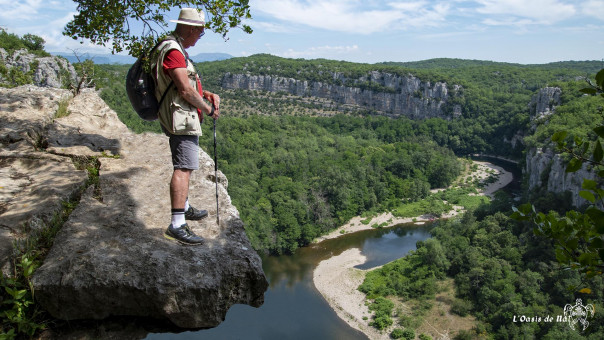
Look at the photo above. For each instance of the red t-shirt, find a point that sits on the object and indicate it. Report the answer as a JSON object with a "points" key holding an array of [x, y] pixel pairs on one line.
{"points": [[175, 59]]}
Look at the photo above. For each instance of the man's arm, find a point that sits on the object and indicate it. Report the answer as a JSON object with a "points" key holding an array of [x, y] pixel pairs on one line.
{"points": [[190, 94]]}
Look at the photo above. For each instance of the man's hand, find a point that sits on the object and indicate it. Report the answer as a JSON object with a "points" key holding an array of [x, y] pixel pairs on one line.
{"points": [[190, 94], [214, 99]]}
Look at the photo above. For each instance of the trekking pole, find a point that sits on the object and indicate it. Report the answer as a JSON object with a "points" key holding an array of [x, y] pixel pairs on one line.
{"points": [[216, 171]]}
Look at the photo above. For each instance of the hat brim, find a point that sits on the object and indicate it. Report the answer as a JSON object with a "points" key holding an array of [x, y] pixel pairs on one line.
{"points": [[189, 23]]}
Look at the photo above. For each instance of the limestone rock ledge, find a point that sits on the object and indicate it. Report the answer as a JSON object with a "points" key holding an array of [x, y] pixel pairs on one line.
{"points": [[111, 258]]}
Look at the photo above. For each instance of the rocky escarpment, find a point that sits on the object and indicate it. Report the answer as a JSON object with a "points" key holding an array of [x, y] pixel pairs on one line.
{"points": [[390, 94], [44, 71], [544, 167], [544, 102], [110, 258]]}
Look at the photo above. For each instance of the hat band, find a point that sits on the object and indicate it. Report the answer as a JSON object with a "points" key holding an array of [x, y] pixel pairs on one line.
{"points": [[192, 21]]}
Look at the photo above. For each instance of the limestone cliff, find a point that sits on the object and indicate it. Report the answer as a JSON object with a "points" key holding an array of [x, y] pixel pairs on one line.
{"points": [[546, 168], [544, 102], [110, 258], [44, 71], [387, 93]]}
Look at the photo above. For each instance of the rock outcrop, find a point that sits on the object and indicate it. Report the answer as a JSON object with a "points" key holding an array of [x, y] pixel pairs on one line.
{"points": [[33, 183], [45, 71], [544, 167], [110, 258], [544, 102], [548, 169], [390, 94]]}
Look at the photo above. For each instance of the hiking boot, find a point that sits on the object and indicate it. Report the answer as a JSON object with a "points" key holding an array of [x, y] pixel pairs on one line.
{"points": [[195, 214], [183, 235]]}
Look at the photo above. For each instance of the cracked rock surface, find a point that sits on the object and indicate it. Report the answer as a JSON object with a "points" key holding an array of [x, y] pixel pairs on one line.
{"points": [[110, 258]]}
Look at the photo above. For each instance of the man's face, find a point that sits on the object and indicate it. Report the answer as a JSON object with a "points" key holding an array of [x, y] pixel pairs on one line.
{"points": [[196, 33]]}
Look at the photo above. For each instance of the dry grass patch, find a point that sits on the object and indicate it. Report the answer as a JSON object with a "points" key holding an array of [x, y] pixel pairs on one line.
{"points": [[439, 322]]}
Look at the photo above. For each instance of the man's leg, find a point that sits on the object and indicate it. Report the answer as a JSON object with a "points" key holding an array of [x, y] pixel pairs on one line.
{"points": [[185, 151], [179, 188], [179, 191]]}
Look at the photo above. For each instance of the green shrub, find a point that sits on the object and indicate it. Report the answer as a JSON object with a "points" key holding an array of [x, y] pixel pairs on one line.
{"points": [[464, 335], [461, 307], [407, 334], [397, 333], [383, 310], [17, 309], [62, 109], [381, 322]]}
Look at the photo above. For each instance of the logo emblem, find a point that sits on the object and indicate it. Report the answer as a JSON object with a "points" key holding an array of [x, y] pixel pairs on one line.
{"points": [[578, 314]]}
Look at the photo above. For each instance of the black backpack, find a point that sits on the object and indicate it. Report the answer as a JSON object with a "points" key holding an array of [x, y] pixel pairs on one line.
{"points": [[140, 86]]}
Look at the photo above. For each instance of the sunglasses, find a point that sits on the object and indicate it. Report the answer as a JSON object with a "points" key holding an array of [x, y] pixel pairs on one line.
{"points": [[202, 32]]}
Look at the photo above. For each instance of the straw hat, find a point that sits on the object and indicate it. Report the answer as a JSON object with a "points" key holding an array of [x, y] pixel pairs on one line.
{"points": [[191, 17]]}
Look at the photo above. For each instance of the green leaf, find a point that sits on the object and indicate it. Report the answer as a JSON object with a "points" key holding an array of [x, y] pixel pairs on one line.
{"points": [[559, 136], [601, 252], [574, 165], [589, 184], [589, 90], [598, 151], [585, 147], [16, 294], [587, 195], [27, 271], [573, 244], [599, 131], [600, 78], [586, 258], [597, 217], [597, 243], [561, 256]]}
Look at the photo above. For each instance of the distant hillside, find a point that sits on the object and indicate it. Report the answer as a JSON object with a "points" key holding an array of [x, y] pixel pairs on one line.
{"points": [[588, 66], [203, 57], [97, 58], [124, 59]]}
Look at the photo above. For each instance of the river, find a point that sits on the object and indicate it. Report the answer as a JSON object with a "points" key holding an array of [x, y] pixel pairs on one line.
{"points": [[293, 308]]}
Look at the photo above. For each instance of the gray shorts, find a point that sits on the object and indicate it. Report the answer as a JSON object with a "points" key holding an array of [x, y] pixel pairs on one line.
{"points": [[185, 151]]}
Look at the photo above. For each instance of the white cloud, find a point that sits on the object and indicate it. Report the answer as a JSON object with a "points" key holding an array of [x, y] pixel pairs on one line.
{"points": [[270, 27], [594, 8], [509, 22], [354, 16], [320, 52], [533, 12], [19, 10]]}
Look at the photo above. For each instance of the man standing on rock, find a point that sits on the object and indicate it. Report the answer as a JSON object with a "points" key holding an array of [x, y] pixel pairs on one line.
{"points": [[181, 114]]}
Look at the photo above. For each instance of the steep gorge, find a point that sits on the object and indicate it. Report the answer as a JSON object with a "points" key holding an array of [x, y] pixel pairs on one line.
{"points": [[545, 168], [388, 94]]}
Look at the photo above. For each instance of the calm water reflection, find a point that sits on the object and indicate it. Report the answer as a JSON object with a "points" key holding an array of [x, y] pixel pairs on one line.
{"points": [[293, 308]]}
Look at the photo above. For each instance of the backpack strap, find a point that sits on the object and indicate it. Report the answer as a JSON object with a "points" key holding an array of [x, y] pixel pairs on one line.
{"points": [[163, 96], [170, 37], [187, 60]]}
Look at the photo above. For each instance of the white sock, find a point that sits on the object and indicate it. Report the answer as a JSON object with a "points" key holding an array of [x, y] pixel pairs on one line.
{"points": [[178, 218]]}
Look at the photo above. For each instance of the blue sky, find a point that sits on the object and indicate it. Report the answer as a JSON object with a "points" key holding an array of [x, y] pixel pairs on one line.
{"points": [[518, 31]]}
